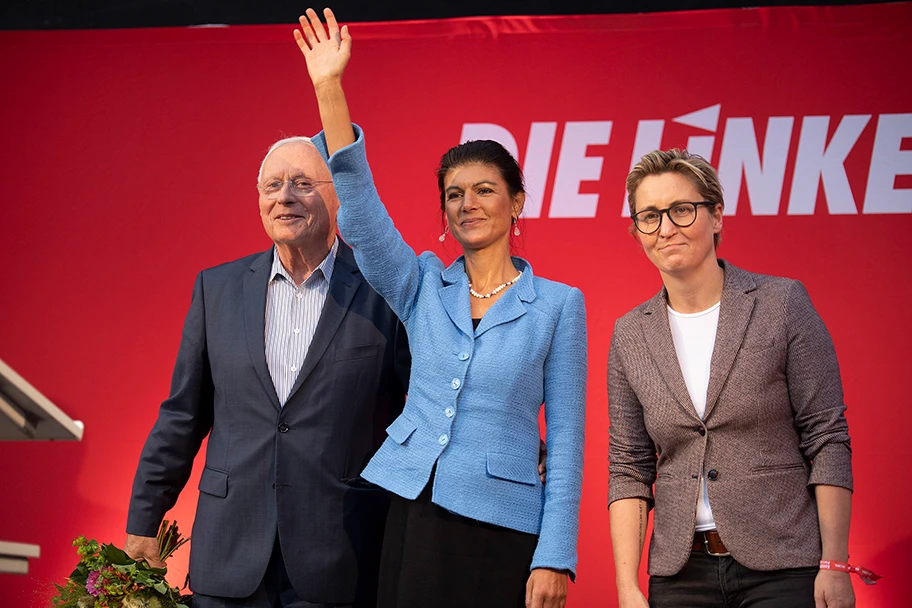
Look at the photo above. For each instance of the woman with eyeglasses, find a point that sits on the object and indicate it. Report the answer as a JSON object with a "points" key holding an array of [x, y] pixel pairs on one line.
{"points": [[726, 418], [470, 522]]}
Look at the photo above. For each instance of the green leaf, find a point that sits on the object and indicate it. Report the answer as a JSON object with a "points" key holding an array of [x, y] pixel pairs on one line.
{"points": [[116, 556], [80, 574]]}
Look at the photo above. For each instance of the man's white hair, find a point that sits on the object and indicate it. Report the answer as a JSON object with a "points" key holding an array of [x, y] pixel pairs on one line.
{"points": [[297, 139]]}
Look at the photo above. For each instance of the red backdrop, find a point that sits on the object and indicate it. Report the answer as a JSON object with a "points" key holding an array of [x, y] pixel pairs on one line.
{"points": [[129, 162]]}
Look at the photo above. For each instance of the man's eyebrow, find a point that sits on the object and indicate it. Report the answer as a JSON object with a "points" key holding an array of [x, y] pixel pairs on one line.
{"points": [[291, 177]]}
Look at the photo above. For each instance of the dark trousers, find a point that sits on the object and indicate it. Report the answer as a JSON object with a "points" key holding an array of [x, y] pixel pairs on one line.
{"points": [[275, 591], [707, 581], [433, 558]]}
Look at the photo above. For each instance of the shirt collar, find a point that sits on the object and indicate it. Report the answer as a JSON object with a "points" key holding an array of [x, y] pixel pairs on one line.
{"points": [[325, 267]]}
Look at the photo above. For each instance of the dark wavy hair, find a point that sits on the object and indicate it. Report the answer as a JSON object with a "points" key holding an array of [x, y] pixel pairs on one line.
{"points": [[481, 152]]}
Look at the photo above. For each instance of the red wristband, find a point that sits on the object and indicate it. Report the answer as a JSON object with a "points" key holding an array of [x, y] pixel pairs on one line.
{"points": [[866, 575]]}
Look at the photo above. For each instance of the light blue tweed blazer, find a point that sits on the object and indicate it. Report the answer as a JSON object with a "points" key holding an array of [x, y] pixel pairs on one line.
{"points": [[475, 394]]}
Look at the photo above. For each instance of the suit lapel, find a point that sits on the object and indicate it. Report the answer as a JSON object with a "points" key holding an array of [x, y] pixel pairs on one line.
{"points": [[346, 279], [734, 316], [659, 341], [454, 295], [254, 300]]}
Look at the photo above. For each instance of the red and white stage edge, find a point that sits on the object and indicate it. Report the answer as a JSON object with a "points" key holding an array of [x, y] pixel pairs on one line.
{"points": [[129, 159]]}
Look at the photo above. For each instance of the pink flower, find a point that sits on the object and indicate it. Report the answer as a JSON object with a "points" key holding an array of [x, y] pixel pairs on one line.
{"points": [[90, 583]]}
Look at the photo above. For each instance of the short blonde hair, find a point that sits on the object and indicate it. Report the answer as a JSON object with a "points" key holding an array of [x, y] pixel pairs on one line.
{"points": [[693, 167]]}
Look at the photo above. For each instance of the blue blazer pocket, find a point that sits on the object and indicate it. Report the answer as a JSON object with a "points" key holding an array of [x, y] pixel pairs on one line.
{"points": [[214, 482], [511, 468], [401, 429]]}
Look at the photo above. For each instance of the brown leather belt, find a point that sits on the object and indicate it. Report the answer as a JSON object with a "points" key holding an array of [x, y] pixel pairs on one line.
{"points": [[710, 542]]}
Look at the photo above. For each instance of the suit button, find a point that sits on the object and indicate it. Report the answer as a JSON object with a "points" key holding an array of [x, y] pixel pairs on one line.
{"points": [[702, 431], [455, 383], [283, 428], [443, 440], [713, 474], [448, 412]]}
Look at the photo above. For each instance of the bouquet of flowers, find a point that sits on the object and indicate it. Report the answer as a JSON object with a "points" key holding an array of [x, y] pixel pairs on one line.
{"points": [[106, 577]]}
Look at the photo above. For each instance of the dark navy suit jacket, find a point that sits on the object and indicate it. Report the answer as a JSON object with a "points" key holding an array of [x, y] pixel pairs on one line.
{"points": [[290, 471]]}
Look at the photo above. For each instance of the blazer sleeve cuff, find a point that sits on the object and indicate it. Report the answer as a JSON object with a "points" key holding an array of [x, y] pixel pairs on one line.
{"points": [[832, 466], [142, 524], [620, 488], [554, 564]]}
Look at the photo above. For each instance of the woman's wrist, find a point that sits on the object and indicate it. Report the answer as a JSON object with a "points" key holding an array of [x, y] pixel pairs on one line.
{"points": [[328, 86], [627, 584]]}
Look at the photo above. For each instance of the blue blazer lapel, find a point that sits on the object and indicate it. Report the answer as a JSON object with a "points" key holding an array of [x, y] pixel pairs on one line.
{"points": [[454, 295], [346, 279], [511, 305], [254, 301]]}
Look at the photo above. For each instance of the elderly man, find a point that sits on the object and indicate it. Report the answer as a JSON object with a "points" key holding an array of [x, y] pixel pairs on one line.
{"points": [[293, 366]]}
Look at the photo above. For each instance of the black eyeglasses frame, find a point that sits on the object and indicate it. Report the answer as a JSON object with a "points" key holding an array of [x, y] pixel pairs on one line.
{"points": [[696, 205]]}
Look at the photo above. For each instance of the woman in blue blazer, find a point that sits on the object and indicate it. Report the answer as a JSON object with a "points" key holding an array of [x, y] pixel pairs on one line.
{"points": [[490, 344]]}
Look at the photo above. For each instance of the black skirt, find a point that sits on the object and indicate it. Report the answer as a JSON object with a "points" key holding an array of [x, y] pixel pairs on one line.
{"points": [[433, 558]]}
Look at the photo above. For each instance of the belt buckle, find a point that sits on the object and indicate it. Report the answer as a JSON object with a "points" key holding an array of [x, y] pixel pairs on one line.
{"points": [[706, 547]]}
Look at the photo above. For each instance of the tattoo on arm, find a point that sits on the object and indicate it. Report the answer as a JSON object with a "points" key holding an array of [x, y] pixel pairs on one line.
{"points": [[642, 524]]}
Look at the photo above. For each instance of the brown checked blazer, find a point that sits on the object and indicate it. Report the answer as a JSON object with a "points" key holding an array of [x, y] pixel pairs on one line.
{"points": [[774, 425]]}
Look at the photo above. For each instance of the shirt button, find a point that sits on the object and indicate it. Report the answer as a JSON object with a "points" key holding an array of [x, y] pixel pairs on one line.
{"points": [[297, 330], [448, 412], [463, 356], [443, 440], [455, 384], [299, 295], [283, 428], [713, 474], [294, 368]]}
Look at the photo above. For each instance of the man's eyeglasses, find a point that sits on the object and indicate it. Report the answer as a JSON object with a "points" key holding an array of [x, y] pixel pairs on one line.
{"points": [[300, 186], [681, 215]]}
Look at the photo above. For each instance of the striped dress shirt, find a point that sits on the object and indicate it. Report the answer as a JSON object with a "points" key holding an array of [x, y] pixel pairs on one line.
{"points": [[292, 314]]}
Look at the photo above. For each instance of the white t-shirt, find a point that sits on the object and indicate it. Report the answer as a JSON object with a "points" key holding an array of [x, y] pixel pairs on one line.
{"points": [[694, 337]]}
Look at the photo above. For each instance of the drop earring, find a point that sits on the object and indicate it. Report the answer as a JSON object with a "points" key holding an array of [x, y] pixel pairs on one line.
{"points": [[442, 237], [516, 231]]}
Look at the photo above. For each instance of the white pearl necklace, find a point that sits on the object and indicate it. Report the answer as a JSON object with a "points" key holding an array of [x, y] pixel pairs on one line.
{"points": [[496, 291]]}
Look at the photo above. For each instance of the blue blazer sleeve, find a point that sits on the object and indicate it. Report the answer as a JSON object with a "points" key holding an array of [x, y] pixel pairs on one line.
{"points": [[565, 416], [386, 261], [184, 420]]}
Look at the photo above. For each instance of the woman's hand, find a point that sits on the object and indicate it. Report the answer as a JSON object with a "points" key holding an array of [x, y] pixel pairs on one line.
{"points": [[326, 54], [546, 589], [632, 598], [833, 590]]}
